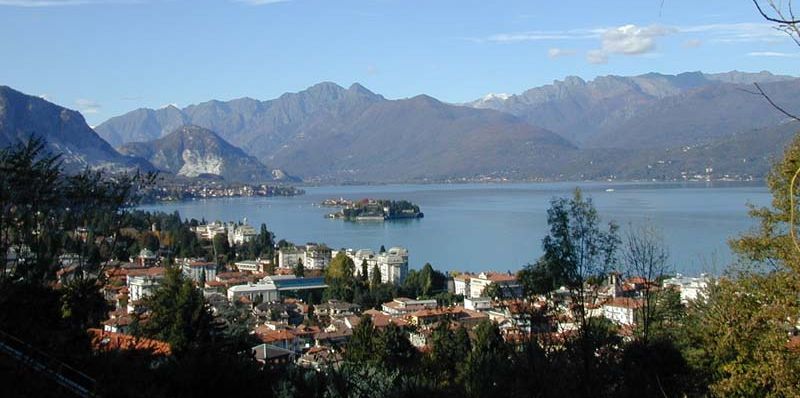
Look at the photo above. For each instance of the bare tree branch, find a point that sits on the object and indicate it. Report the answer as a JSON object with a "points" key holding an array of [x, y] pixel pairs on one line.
{"points": [[771, 102], [779, 20]]}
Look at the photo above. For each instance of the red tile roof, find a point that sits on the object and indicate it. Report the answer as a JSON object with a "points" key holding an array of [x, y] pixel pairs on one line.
{"points": [[109, 341]]}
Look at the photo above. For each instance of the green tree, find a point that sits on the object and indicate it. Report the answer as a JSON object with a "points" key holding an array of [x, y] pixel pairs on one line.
{"points": [[361, 347], [376, 277], [393, 350], [299, 269], [178, 313], [487, 366]]}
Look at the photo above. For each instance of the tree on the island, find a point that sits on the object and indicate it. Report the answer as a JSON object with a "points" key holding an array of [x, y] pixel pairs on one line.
{"points": [[299, 269], [382, 250], [178, 314]]}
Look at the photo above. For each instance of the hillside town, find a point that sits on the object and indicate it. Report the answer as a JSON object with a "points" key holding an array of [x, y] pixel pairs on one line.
{"points": [[287, 314]]}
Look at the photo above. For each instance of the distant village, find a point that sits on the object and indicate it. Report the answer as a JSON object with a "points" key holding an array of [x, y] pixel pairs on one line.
{"points": [[199, 188], [295, 326]]}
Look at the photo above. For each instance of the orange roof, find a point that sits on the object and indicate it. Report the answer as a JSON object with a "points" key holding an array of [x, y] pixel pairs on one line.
{"points": [[271, 336], [625, 302], [496, 277], [154, 271], [109, 341]]}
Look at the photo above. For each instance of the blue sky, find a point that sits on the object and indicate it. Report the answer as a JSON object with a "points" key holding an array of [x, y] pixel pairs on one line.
{"points": [[107, 57]]}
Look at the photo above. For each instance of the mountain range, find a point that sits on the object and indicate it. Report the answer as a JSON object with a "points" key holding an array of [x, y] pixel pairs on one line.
{"points": [[65, 132], [651, 126]]}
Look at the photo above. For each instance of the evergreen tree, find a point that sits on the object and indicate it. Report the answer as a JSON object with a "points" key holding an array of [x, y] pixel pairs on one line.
{"points": [[299, 269]]}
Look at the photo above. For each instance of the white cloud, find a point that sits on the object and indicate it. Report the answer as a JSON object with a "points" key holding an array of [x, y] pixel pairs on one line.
{"points": [[736, 32], [632, 39], [542, 35], [597, 57], [559, 52], [772, 54], [87, 106]]}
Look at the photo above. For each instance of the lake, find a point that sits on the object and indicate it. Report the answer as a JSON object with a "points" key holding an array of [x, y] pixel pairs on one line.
{"points": [[474, 227]]}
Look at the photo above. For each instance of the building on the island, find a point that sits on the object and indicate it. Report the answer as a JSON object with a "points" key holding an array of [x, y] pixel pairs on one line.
{"points": [[405, 305], [289, 256], [271, 287], [508, 284], [690, 288], [316, 256], [623, 310], [254, 266], [198, 271]]}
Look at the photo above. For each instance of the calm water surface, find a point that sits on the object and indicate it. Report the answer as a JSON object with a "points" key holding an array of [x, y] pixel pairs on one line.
{"points": [[499, 227]]}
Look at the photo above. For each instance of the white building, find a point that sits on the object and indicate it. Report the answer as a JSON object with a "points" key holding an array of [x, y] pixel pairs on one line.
{"points": [[142, 283], [404, 305], [270, 288], [237, 233], [478, 304], [316, 256], [393, 265], [197, 270], [461, 284], [508, 284], [622, 310], [289, 256], [690, 288], [254, 266]]}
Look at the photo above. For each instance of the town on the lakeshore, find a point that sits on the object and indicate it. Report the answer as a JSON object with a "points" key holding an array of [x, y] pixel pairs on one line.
{"points": [[283, 295]]}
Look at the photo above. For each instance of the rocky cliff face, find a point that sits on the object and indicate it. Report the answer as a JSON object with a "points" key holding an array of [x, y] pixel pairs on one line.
{"points": [[191, 151]]}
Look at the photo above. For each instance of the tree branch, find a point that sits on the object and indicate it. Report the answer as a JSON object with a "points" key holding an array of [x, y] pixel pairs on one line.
{"points": [[771, 102], [772, 19]]}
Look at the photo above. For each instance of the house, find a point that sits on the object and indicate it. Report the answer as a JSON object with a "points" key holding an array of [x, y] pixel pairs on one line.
{"points": [[268, 354], [320, 358], [317, 256], [270, 287], [102, 341], [509, 286], [690, 288], [254, 266], [336, 308], [461, 284], [623, 310], [278, 337], [289, 256], [146, 258], [198, 270], [142, 282], [405, 305], [478, 303], [392, 264]]}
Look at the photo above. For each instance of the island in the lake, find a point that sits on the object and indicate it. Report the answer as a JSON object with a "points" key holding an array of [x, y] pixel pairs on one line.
{"points": [[373, 209]]}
